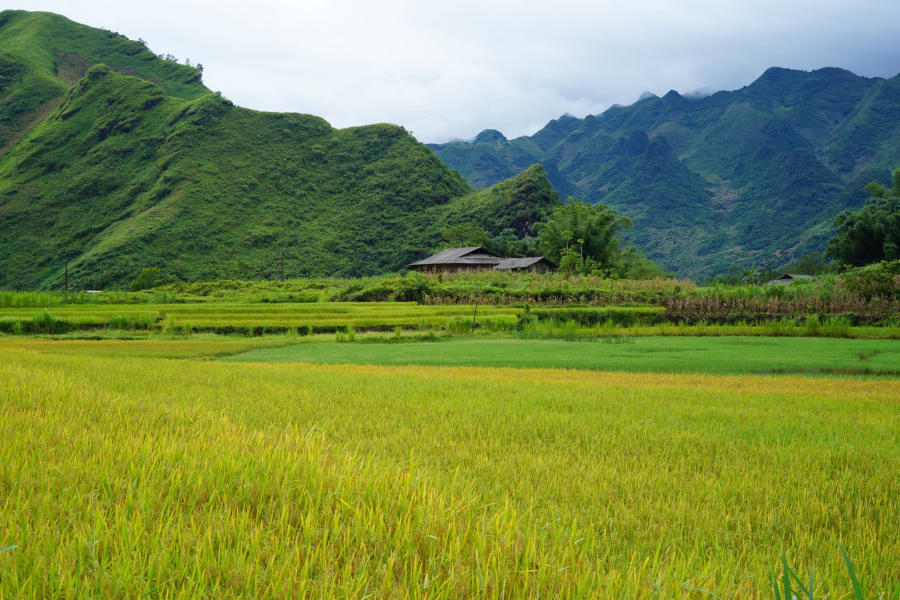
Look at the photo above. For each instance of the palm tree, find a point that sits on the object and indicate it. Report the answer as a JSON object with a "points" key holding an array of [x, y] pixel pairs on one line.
{"points": [[750, 274]]}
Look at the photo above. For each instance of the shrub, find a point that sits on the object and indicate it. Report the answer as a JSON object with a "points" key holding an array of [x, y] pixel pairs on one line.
{"points": [[499, 324], [881, 279], [130, 322], [412, 288], [118, 322], [460, 325], [146, 279], [8, 324], [837, 326], [550, 330], [44, 323], [375, 293], [161, 297], [780, 327], [813, 325], [570, 330], [348, 335], [625, 316], [170, 326]]}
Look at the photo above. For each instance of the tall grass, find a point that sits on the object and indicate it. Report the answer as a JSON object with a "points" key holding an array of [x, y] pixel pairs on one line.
{"points": [[789, 586], [553, 329], [132, 322], [51, 299]]}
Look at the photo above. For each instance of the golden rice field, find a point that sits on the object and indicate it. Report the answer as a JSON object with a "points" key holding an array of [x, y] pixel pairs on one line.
{"points": [[147, 476]]}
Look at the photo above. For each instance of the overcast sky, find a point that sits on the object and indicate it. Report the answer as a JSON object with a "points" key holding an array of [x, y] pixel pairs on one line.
{"points": [[449, 68]]}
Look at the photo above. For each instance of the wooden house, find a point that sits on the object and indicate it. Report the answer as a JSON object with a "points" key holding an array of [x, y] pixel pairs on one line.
{"points": [[477, 258], [788, 278]]}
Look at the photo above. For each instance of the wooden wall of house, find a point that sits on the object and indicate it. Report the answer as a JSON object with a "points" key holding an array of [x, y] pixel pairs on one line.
{"points": [[434, 269]]}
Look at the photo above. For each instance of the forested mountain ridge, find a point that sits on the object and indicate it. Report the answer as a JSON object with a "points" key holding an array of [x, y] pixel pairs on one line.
{"points": [[747, 177], [113, 159]]}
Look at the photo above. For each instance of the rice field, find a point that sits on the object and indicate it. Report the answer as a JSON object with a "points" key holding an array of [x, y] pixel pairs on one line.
{"points": [[732, 354], [322, 315], [255, 319], [142, 469]]}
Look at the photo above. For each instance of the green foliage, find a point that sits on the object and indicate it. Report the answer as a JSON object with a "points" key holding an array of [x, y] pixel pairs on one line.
{"points": [[551, 329], [465, 234], [809, 264], [41, 54], [588, 232], [146, 279], [873, 281], [751, 275], [461, 325], [632, 264], [348, 334], [623, 316], [41, 323], [790, 587], [503, 218], [871, 234], [131, 322]]}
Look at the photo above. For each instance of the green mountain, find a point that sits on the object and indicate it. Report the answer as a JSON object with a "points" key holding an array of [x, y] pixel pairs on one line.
{"points": [[747, 177], [113, 159]]}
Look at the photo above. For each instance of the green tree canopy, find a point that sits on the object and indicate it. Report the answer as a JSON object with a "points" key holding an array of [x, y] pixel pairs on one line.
{"points": [[871, 234], [146, 279], [465, 234], [590, 229]]}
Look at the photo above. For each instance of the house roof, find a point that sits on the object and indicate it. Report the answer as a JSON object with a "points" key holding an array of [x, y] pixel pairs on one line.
{"points": [[471, 255], [520, 263], [788, 277]]}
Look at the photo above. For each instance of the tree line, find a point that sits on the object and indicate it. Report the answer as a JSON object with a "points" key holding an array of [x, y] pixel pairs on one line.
{"points": [[871, 234]]}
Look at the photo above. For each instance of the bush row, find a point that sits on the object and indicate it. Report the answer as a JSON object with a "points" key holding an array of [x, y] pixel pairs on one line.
{"points": [[624, 316]]}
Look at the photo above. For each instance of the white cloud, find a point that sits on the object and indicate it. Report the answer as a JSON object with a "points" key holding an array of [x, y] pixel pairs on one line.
{"points": [[449, 69]]}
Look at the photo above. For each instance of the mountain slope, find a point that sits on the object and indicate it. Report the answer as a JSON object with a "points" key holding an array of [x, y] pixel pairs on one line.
{"points": [[43, 54], [753, 176], [142, 166]]}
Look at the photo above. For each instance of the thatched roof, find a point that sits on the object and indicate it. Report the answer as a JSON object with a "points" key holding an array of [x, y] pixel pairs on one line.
{"points": [[521, 263], [787, 278], [478, 256], [472, 255]]}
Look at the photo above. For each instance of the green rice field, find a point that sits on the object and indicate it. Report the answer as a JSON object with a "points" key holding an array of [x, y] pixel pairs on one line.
{"points": [[645, 354]]}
